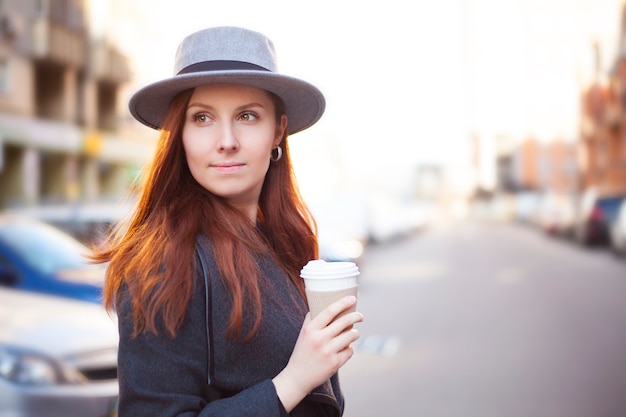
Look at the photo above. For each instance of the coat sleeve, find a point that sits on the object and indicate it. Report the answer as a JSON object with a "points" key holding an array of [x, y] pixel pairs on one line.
{"points": [[163, 376]]}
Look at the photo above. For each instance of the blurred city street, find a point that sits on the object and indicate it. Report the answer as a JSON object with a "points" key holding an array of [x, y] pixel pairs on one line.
{"points": [[489, 319], [507, 116]]}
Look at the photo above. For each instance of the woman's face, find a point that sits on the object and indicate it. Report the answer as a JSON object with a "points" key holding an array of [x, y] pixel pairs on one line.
{"points": [[228, 135]]}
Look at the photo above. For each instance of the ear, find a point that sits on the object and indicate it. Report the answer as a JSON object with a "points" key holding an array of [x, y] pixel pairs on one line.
{"points": [[280, 130]]}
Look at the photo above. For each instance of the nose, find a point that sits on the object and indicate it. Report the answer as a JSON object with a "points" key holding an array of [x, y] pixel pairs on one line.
{"points": [[228, 138]]}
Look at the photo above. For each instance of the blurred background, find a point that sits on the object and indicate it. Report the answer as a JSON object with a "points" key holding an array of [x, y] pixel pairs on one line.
{"points": [[471, 160]]}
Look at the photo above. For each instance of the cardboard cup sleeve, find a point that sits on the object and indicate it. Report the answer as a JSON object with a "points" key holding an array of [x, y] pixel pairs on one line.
{"points": [[319, 300]]}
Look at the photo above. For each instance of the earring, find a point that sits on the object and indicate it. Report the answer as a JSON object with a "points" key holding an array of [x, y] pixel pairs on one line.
{"points": [[279, 154]]}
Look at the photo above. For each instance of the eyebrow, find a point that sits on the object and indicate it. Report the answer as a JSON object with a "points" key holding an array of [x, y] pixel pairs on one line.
{"points": [[239, 108]]}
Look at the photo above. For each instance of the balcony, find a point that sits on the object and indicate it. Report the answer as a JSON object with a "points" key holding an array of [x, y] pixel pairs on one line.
{"points": [[40, 134], [613, 114], [66, 138], [108, 64], [59, 43]]}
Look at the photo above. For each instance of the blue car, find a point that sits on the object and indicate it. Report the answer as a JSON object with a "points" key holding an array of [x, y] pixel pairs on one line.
{"points": [[38, 257]]}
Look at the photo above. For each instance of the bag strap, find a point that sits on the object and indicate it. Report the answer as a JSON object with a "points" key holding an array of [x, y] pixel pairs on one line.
{"points": [[209, 314]]}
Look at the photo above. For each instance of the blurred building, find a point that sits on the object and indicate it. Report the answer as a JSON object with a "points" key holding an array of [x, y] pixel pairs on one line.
{"points": [[62, 134], [603, 125], [563, 170], [550, 166]]}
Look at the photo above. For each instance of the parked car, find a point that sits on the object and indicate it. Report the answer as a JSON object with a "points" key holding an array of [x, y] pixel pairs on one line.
{"points": [[58, 357], [596, 215], [618, 230], [527, 205], [557, 214], [36, 256], [391, 217], [86, 222]]}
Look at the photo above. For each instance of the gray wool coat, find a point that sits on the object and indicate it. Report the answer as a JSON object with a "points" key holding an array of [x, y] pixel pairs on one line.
{"points": [[201, 372]]}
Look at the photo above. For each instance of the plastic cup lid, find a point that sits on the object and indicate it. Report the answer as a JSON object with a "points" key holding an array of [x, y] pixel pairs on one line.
{"points": [[320, 269]]}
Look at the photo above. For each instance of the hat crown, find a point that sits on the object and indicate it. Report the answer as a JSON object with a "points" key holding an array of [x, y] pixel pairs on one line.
{"points": [[226, 44], [229, 55]]}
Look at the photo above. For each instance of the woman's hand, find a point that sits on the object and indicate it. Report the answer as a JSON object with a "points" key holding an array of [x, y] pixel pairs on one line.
{"points": [[323, 346]]}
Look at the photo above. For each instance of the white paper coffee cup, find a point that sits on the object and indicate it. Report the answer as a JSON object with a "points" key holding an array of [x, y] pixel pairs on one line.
{"points": [[327, 282]]}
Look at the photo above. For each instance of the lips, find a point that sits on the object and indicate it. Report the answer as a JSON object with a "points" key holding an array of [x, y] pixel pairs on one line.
{"points": [[227, 167]]}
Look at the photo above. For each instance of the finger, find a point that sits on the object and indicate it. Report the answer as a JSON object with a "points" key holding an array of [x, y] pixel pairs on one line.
{"points": [[346, 349], [329, 313], [345, 340], [345, 322]]}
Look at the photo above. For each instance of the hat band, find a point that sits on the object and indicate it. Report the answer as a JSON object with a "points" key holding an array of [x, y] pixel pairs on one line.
{"points": [[207, 66]]}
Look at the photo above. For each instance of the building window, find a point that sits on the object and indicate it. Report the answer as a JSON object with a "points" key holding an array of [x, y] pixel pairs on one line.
{"points": [[58, 11], [569, 166], [544, 170], [5, 81], [75, 15], [41, 8], [602, 154]]}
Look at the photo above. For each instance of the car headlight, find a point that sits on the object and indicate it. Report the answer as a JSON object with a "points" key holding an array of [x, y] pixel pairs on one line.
{"points": [[32, 368]]}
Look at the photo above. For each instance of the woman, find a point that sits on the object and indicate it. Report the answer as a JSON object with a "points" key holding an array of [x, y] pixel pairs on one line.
{"points": [[205, 276]]}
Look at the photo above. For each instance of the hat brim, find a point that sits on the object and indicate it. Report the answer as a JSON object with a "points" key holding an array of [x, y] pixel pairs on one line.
{"points": [[304, 103]]}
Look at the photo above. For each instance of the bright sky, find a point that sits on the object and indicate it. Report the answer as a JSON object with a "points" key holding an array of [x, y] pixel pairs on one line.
{"points": [[405, 82]]}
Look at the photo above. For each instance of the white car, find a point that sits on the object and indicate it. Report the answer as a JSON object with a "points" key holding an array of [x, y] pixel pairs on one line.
{"points": [[58, 357]]}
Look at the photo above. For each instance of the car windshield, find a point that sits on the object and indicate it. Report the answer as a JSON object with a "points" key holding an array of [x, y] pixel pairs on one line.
{"points": [[44, 247], [610, 206]]}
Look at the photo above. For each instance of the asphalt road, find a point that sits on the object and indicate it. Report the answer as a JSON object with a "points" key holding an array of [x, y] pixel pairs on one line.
{"points": [[474, 319]]}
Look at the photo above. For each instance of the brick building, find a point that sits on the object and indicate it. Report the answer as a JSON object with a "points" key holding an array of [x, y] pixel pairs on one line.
{"points": [[602, 151], [550, 166]]}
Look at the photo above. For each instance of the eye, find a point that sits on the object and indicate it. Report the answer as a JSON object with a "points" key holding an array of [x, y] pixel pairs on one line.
{"points": [[201, 118], [248, 116]]}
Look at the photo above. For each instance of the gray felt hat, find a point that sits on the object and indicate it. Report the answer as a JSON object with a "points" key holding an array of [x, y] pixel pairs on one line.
{"points": [[229, 55]]}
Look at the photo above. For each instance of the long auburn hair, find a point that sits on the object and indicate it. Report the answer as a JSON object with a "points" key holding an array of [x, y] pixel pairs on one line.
{"points": [[153, 253]]}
